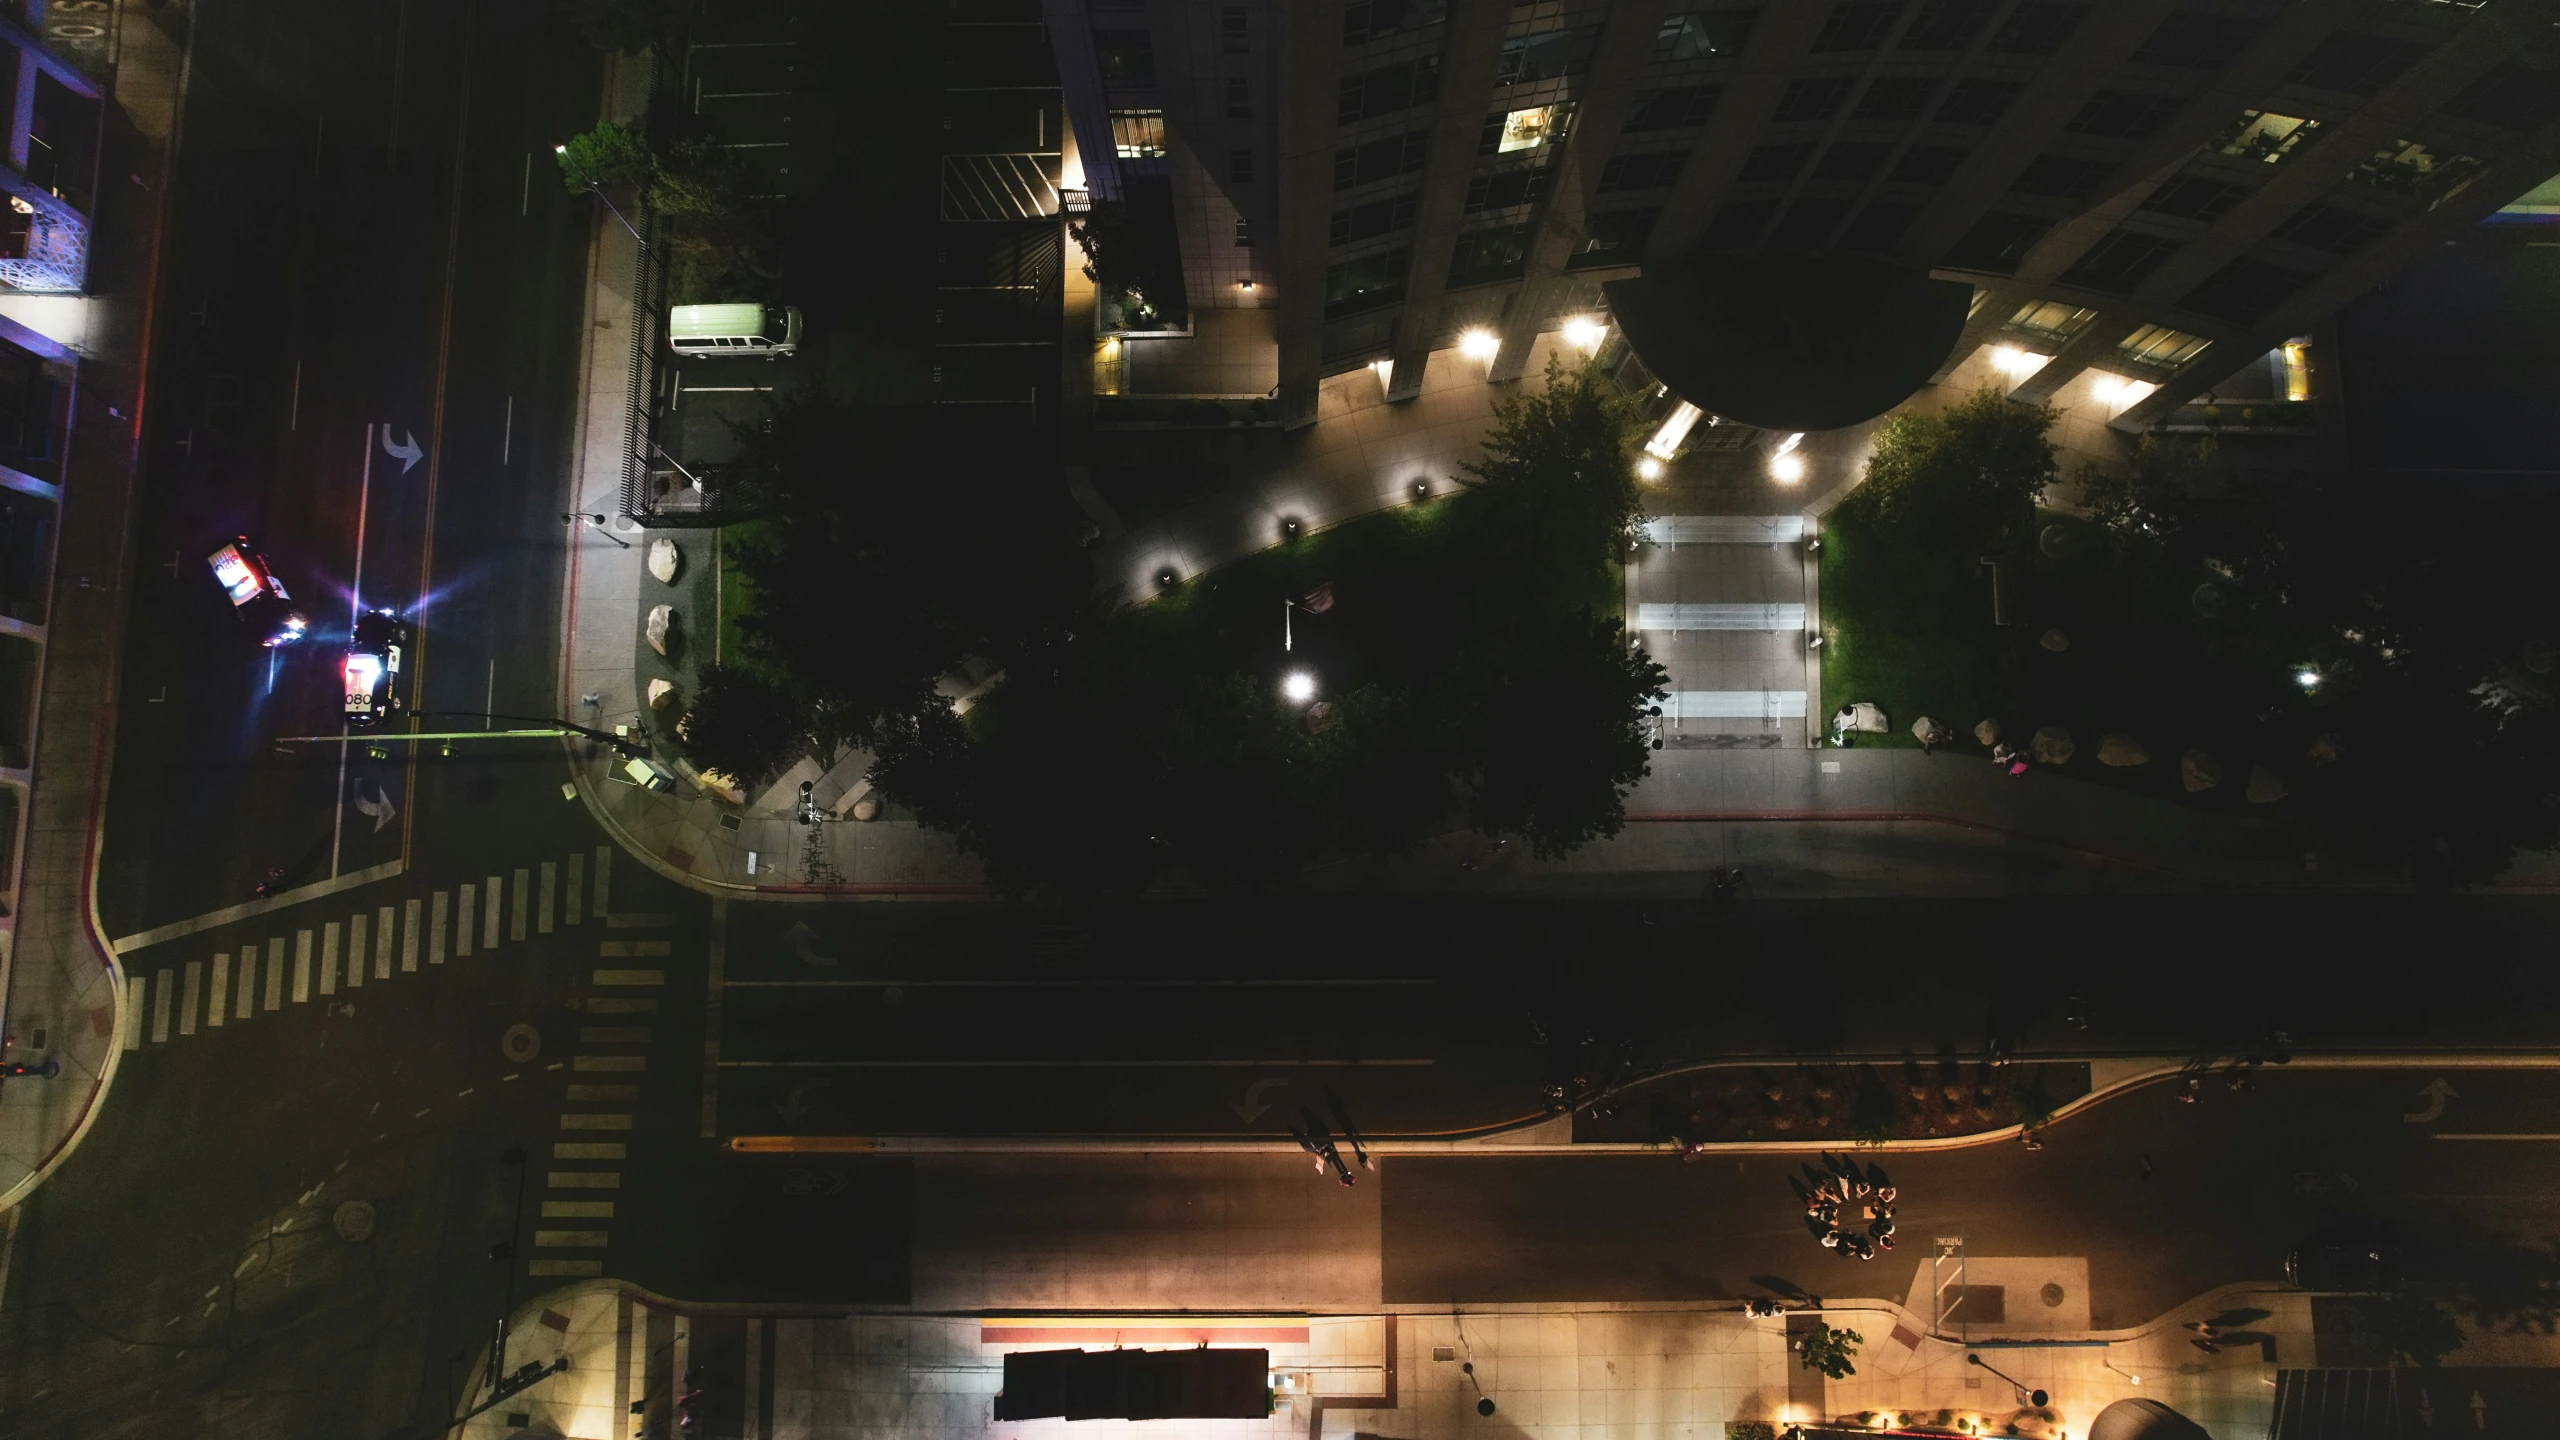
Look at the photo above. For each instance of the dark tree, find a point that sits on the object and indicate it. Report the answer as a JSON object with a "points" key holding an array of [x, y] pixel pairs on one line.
{"points": [[743, 725]]}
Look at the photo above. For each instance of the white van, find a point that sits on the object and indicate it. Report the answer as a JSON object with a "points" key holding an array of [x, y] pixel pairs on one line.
{"points": [[766, 332]]}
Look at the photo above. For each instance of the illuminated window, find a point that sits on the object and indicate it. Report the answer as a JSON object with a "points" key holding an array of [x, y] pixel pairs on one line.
{"points": [[1528, 129], [2053, 318], [2161, 347], [1137, 134], [2265, 135], [2412, 168]]}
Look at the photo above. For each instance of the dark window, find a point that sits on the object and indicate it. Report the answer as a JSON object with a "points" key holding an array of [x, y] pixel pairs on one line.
{"points": [[1808, 223], [2064, 177], [2192, 197], [1773, 162], [1927, 165], [1368, 222], [1815, 99], [2327, 227], [1239, 99], [1489, 255], [1851, 160], [2356, 64], [1613, 237], [1997, 242], [1708, 33], [1547, 55], [1673, 109], [2192, 40], [1244, 233], [1879, 225], [2120, 260], [1650, 170], [1365, 283], [2244, 290], [1978, 102], [1365, 20], [1239, 167], [1380, 159], [2038, 27], [1947, 24], [1127, 58], [1738, 224], [1373, 93], [1896, 97], [1235, 31], [1857, 25], [1502, 191], [2510, 97], [2122, 114]]}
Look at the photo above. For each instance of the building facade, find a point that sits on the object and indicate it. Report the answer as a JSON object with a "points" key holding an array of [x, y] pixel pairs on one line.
{"points": [[2150, 196]]}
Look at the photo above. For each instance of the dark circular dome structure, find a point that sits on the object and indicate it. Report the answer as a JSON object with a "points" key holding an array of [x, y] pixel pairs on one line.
{"points": [[2144, 1420], [1790, 340]]}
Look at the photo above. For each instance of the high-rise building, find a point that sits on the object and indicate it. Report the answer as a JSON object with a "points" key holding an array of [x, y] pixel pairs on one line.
{"points": [[2162, 192]]}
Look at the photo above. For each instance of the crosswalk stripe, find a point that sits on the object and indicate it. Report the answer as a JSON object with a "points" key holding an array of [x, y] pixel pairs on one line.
{"points": [[605, 1094], [550, 882], [640, 920], [631, 977], [219, 992], [301, 967], [603, 1006], [634, 949], [275, 972], [520, 902], [194, 992], [566, 1269], [409, 937], [586, 1149], [577, 1209], [462, 922], [435, 929], [383, 926], [160, 1008], [134, 989], [492, 894], [578, 1121], [570, 1239], [577, 880], [359, 925], [329, 958], [604, 881], [613, 1034], [591, 1063], [248, 982], [583, 1180]]}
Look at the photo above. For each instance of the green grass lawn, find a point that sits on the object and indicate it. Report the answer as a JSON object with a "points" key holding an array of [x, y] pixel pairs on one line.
{"points": [[737, 598], [1912, 633]]}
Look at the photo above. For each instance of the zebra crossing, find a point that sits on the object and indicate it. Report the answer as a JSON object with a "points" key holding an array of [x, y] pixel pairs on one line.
{"points": [[369, 946], [600, 1097]]}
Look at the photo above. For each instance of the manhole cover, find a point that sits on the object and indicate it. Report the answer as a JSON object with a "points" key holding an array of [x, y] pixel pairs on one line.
{"points": [[521, 1043], [2207, 600], [2052, 1294], [2054, 540], [893, 997], [353, 1220]]}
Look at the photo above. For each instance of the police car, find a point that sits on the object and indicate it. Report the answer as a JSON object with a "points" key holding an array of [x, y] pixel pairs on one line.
{"points": [[372, 668]]}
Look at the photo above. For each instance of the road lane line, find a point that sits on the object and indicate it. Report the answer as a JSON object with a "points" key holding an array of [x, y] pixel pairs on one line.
{"points": [[569, 909], [409, 937], [2499, 1135], [136, 989], [631, 977], [275, 972], [160, 986], [579, 1120], [462, 921], [194, 992], [604, 880], [357, 929], [1069, 984], [382, 928], [719, 972], [329, 958], [518, 905], [248, 909], [355, 607], [550, 884], [301, 967], [493, 890], [435, 929], [577, 1209], [219, 991]]}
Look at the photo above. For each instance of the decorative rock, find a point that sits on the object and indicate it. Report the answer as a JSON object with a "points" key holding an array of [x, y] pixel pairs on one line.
{"points": [[1929, 732], [2199, 771], [2266, 787], [2055, 641], [2120, 750], [866, 808], [2052, 745], [1987, 732], [664, 559], [2327, 748], [662, 627], [662, 693]]}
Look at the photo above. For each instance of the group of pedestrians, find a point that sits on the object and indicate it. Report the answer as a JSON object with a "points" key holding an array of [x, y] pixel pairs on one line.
{"points": [[1849, 1207], [1318, 1140]]}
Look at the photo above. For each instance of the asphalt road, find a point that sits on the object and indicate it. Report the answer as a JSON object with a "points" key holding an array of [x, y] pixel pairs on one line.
{"points": [[368, 366]]}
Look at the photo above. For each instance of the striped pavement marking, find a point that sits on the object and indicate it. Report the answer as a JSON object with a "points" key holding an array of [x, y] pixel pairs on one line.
{"points": [[584, 1180], [577, 877], [302, 967], [409, 937], [587, 1150], [638, 920], [220, 990], [570, 1239], [275, 973], [604, 881], [613, 1034], [359, 926], [492, 890], [574, 1120], [462, 921], [518, 903], [634, 949], [160, 1010], [135, 987], [329, 958], [567, 1269], [587, 1064], [248, 982], [435, 929], [194, 992], [577, 1209], [631, 977], [605, 1094], [550, 885], [382, 928]]}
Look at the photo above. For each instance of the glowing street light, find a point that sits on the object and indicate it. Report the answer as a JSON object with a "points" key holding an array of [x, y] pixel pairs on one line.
{"points": [[1786, 466], [1478, 343], [1584, 333], [1298, 687], [1648, 468]]}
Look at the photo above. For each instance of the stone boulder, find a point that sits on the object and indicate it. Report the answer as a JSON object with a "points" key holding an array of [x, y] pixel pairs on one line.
{"points": [[2120, 749], [662, 693], [1929, 732], [2199, 771], [2327, 748], [866, 808], [2266, 787], [1986, 732], [664, 560], [2055, 641], [662, 627], [2052, 745]]}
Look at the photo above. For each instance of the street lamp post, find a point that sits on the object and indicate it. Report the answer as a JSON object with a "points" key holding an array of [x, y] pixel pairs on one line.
{"points": [[598, 191], [595, 523], [505, 1253]]}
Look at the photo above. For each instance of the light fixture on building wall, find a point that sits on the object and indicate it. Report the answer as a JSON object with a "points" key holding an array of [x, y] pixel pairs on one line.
{"points": [[2015, 363], [2117, 393], [1785, 465], [1584, 333], [1674, 431], [1478, 343], [1245, 285], [1648, 468]]}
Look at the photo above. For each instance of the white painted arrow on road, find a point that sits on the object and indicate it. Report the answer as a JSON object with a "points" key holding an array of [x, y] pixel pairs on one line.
{"points": [[379, 807], [802, 940], [2436, 1093], [406, 452], [1253, 1107]]}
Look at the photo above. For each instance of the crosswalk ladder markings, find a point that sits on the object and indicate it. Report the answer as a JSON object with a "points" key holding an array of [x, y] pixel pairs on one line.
{"points": [[575, 1120], [329, 958], [566, 1269], [462, 922], [606, 1094], [577, 878], [194, 990], [219, 992], [635, 948], [134, 990], [583, 1180], [382, 942], [301, 967], [435, 929], [492, 894], [631, 977], [275, 972], [577, 1209], [248, 982], [359, 925], [160, 1008], [409, 937], [570, 1239], [518, 903], [604, 881], [591, 1063], [579, 1149], [550, 882]]}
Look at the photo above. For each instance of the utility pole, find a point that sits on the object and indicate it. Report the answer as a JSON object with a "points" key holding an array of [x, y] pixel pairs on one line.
{"points": [[505, 1253]]}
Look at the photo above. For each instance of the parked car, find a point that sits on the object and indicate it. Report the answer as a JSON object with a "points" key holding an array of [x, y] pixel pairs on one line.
{"points": [[257, 596], [762, 332], [372, 668], [2354, 1256]]}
